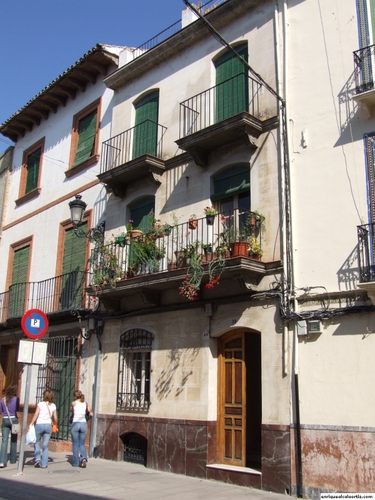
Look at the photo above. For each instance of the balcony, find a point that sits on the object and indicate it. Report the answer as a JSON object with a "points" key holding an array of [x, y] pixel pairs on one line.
{"points": [[59, 295], [166, 261], [231, 111], [132, 155], [366, 263], [364, 60]]}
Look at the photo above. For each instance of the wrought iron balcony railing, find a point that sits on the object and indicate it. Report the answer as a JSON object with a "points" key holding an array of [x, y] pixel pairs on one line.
{"points": [[366, 251], [164, 247], [364, 64], [145, 138], [240, 93], [55, 294]]}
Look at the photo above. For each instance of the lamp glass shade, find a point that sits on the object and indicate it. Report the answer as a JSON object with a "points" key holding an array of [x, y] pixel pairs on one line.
{"points": [[77, 209]]}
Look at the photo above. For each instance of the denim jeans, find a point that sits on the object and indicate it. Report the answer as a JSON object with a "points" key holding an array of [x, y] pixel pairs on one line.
{"points": [[43, 432], [6, 429], [79, 433]]}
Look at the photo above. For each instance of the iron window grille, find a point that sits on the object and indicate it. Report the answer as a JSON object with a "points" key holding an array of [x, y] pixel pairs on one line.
{"points": [[134, 370]]}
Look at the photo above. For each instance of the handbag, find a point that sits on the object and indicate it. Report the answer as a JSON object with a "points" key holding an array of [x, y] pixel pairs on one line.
{"points": [[55, 428], [87, 415], [16, 428]]}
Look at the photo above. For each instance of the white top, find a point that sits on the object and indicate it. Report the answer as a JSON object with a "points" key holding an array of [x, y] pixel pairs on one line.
{"points": [[44, 417], [79, 412]]}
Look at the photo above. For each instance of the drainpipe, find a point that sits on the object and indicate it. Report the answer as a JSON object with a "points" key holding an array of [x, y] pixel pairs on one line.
{"points": [[93, 451]]}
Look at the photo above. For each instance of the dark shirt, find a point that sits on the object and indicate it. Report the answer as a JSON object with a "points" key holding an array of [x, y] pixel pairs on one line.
{"points": [[13, 407]]}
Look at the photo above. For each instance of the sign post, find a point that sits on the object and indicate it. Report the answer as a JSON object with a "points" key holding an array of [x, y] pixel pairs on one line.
{"points": [[34, 325]]}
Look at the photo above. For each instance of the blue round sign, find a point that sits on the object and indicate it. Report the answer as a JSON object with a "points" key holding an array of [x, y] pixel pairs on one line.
{"points": [[34, 323]]}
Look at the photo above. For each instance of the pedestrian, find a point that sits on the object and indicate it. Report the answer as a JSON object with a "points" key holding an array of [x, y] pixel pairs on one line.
{"points": [[9, 407], [44, 413], [81, 412]]}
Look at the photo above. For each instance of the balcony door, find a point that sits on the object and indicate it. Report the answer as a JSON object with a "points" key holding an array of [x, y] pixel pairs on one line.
{"points": [[231, 84], [18, 288], [366, 29], [239, 410], [73, 267], [146, 126]]}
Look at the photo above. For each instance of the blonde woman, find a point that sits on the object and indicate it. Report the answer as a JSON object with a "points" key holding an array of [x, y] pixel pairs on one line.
{"points": [[79, 429], [45, 411]]}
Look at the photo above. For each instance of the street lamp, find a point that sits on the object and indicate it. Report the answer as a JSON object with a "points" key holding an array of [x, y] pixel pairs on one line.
{"points": [[77, 210]]}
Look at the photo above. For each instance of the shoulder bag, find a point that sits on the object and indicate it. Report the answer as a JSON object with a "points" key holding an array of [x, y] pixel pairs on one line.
{"points": [[16, 428], [55, 429], [88, 416]]}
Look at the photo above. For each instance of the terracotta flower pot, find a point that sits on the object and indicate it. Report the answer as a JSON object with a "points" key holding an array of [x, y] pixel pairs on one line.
{"points": [[239, 248], [193, 223]]}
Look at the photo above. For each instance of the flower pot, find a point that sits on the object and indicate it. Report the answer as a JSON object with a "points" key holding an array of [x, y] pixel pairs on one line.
{"points": [[135, 234], [239, 248], [120, 240], [193, 223], [210, 219]]}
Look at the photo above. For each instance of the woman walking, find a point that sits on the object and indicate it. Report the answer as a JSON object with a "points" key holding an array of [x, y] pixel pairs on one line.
{"points": [[8, 408], [79, 428], [45, 411]]}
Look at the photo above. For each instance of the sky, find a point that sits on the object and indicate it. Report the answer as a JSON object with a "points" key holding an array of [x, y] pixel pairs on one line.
{"points": [[40, 39]]}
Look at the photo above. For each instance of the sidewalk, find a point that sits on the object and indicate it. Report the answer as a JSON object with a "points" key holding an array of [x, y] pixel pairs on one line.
{"points": [[104, 479]]}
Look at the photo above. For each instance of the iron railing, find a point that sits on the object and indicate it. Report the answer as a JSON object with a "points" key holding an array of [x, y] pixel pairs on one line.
{"points": [[145, 138], [364, 60], [173, 29], [240, 93], [165, 247], [366, 251], [55, 294]]}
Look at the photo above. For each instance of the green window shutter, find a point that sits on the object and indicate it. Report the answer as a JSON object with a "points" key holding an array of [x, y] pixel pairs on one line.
{"points": [[19, 277], [146, 126], [86, 140], [73, 278], [231, 85], [232, 182], [33, 162], [140, 213]]}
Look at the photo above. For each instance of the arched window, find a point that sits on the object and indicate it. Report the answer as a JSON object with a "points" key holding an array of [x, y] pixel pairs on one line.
{"points": [[141, 212], [146, 126], [134, 370]]}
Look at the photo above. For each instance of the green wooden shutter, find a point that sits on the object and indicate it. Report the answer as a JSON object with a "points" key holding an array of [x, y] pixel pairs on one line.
{"points": [[33, 162], [86, 140], [231, 85], [232, 182], [73, 269], [146, 126], [19, 278], [140, 213]]}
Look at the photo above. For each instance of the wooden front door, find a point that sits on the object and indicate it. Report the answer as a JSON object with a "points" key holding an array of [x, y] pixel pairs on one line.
{"points": [[240, 400], [232, 400]]}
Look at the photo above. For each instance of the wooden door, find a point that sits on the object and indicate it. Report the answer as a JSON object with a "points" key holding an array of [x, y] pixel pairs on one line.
{"points": [[232, 400]]}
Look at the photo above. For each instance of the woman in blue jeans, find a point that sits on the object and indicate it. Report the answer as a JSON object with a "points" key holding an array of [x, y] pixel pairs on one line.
{"points": [[45, 411], [79, 429], [8, 407]]}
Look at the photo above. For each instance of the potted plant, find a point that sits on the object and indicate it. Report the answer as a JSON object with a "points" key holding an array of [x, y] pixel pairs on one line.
{"points": [[146, 254], [121, 239], [255, 220], [133, 232], [255, 248], [193, 221], [210, 213]]}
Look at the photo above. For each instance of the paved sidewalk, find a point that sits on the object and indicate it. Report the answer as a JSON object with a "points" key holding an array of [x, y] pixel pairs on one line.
{"points": [[104, 479]]}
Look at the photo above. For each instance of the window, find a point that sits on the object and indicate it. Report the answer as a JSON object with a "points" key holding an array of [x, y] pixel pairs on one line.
{"points": [[19, 274], [370, 164], [146, 126], [85, 139], [366, 32], [232, 195], [134, 370], [31, 172], [71, 265], [231, 84]]}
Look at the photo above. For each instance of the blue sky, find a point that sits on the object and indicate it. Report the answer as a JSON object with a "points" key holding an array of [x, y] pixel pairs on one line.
{"points": [[40, 39]]}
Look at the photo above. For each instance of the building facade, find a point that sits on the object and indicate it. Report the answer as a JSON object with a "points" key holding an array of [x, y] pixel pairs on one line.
{"points": [[233, 325]]}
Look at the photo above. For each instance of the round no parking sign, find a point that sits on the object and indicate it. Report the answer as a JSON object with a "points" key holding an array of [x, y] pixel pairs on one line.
{"points": [[34, 323]]}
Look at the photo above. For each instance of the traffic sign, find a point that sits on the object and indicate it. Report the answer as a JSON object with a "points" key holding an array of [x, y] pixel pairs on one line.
{"points": [[34, 323]]}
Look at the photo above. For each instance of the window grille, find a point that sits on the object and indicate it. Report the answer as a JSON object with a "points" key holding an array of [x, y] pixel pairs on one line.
{"points": [[134, 370]]}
